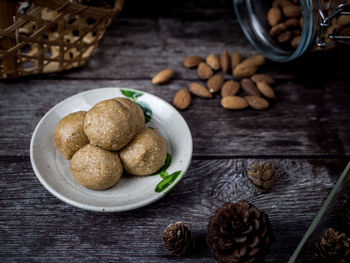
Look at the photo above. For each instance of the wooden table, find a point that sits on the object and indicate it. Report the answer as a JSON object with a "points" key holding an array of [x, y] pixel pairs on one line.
{"points": [[305, 134]]}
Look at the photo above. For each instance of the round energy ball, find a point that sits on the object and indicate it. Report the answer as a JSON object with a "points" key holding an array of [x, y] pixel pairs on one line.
{"points": [[96, 168], [145, 154], [136, 112], [110, 125], [69, 135]]}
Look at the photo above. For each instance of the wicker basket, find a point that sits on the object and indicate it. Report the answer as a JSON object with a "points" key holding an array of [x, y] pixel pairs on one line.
{"points": [[44, 36]]}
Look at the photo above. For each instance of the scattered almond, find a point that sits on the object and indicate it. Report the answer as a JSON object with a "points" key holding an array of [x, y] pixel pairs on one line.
{"points": [[256, 60], [225, 61], [192, 61], [274, 16], [257, 103], [182, 99], [230, 88], [291, 11], [235, 59], [163, 76], [262, 77], [204, 71], [214, 83], [244, 71], [200, 91], [234, 103], [266, 90], [249, 87], [213, 61]]}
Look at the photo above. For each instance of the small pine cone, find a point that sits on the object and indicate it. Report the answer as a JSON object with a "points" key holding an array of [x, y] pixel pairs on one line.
{"points": [[262, 175], [333, 247], [346, 209], [177, 238], [239, 232]]}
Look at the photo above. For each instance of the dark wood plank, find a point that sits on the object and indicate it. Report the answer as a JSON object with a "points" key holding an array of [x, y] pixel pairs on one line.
{"points": [[308, 125], [35, 226], [307, 119], [139, 48]]}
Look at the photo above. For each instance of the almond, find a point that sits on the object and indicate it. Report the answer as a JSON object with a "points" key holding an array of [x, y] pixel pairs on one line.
{"points": [[344, 20], [200, 91], [192, 61], [291, 22], [263, 77], [163, 76], [257, 103], [274, 16], [277, 29], [230, 88], [215, 83], [243, 70], [225, 61], [266, 90], [296, 32], [284, 37], [256, 60], [291, 11], [295, 41], [235, 59], [213, 61], [249, 87], [204, 71], [234, 103], [281, 3], [182, 99]]}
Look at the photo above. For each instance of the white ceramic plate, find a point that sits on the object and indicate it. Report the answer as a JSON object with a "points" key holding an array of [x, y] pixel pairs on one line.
{"points": [[130, 192]]}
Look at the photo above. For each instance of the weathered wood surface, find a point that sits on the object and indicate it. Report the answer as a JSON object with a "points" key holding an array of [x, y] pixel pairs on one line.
{"points": [[306, 120], [42, 228], [305, 131]]}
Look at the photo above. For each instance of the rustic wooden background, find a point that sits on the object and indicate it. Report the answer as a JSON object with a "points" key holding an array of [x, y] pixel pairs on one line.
{"points": [[305, 133]]}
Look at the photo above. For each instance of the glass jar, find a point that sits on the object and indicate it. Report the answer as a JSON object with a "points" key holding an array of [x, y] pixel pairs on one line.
{"points": [[319, 28]]}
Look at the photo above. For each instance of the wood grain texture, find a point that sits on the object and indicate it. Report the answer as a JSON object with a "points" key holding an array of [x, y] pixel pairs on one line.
{"points": [[42, 228], [307, 119], [305, 132]]}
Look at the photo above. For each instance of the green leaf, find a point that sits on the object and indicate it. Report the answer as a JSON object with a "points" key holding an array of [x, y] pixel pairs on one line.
{"points": [[165, 165], [166, 182], [131, 94], [146, 110], [163, 174], [137, 94], [175, 174]]}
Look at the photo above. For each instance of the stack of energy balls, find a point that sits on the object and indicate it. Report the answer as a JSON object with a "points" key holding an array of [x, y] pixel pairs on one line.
{"points": [[107, 139]]}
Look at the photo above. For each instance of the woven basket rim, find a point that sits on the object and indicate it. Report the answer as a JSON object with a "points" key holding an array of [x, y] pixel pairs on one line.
{"points": [[84, 10]]}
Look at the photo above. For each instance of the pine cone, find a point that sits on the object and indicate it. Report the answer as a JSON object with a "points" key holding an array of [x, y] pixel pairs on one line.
{"points": [[177, 238], [262, 175], [239, 232], [346, 211], [333, 247]]}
